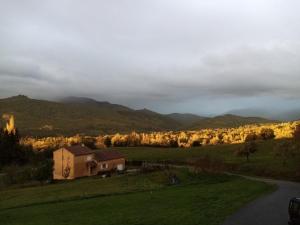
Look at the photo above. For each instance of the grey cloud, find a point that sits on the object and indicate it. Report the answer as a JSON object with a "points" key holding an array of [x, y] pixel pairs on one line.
{"points": [[155, 54]]}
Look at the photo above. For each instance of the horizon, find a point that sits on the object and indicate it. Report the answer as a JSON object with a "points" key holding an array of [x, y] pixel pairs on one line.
{"points": [[237, 112], [204, 58]]}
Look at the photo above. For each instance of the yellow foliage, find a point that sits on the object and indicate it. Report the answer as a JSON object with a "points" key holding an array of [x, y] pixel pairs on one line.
{"points": [[183, 139]]}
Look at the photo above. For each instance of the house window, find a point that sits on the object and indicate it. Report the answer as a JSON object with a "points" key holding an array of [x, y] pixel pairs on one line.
{"points": [[104, 166], [89, 158]]}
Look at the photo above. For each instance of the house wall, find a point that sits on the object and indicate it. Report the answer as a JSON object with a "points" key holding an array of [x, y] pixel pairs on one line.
{"points": [[81, 168], [62, 158], [111, 164]]}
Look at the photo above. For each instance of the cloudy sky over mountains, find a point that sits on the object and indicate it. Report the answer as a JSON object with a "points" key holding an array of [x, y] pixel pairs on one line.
{"points": [[195, 56]]}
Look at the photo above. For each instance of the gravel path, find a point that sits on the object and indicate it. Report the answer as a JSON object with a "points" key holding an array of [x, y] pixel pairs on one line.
{"points": [[267, 210]]}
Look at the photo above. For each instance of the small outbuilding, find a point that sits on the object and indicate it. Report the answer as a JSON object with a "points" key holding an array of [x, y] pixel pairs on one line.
{"points": [[80, 161]]}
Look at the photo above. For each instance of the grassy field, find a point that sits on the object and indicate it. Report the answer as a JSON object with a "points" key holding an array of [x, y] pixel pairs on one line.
{"points": [[131, 199], [263, 163]]}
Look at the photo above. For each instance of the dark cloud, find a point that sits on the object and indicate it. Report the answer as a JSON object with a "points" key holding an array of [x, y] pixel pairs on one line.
{"points": [[167, 55]]}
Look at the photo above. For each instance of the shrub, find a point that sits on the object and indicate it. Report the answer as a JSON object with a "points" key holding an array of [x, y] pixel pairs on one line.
{"points": [[11, 152], [173, 143], [296, 134], [16, 175], [209, 164], [133, 139], [89, 142], [285, 150], [267, 133], [44, 171], [107, 141], [196, 144], [251, 137], [247, 149]]}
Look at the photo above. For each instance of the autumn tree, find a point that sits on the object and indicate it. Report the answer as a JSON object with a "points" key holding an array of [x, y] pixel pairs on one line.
{"points": [[133, 139], [107, 141], [251, 137], [247, 149], [267, 133], [296, 134]]}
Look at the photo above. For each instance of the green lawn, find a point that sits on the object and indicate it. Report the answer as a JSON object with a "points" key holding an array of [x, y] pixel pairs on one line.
{"points": [[131, 199], [263, 163]]}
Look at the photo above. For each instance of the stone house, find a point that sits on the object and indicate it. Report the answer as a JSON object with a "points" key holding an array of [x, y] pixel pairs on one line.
{"points": [[79, 161]]}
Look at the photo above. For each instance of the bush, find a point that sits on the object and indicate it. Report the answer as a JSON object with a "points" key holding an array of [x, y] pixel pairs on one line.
{"points": [[296, 134], [11, 152], [44, 171], [173, 143], [267, 133], [89, 142], [14, 174], [107, 141], [209, 164], [285, 150], [251, 137], [196, 144], [247, 149]]}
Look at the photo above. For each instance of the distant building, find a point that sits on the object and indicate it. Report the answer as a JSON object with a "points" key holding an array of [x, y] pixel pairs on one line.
{"points": [[80, 161]]}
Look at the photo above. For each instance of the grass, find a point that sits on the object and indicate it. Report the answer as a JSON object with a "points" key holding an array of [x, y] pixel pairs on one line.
{"points": [[262, 163], [135, 199]]}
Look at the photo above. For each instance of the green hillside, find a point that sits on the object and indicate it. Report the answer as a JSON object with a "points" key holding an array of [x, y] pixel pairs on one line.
{"points": [[39, 117], [145, 199], [227, 120], [186, 119], [86, 116]]}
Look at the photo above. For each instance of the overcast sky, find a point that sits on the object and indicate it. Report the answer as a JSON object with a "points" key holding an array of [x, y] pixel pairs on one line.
{"points": [[204, 57]]}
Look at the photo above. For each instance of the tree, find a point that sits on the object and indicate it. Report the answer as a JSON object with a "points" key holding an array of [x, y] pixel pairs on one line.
{"points": [[251, 137], [44, 171], [133, 139], [107, 141], [267, 133], [296, 134], [196, 144], [89, 142], [173, 143], [285, 149], [247, 149], [10, 149]]}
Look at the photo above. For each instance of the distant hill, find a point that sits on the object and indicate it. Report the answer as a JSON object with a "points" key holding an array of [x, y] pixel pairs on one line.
{"points": [[227, 120], [283, 115], [185, 119], [89, 101], [72, 116], [75, 115]]}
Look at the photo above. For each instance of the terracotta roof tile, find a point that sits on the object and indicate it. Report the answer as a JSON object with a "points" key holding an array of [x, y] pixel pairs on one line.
{"points": [[104, 155], [79, 150]]}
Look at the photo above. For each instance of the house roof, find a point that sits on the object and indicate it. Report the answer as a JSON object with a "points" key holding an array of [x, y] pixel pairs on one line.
{"points": [[79, 150], [107, 155]]}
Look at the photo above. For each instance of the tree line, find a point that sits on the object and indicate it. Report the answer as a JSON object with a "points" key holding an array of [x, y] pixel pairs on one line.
{"points": [[20, 163]]}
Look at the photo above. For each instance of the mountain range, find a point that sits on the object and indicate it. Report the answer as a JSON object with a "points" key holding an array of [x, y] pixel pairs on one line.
{"points": [[76, 115], [273, 114]]}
